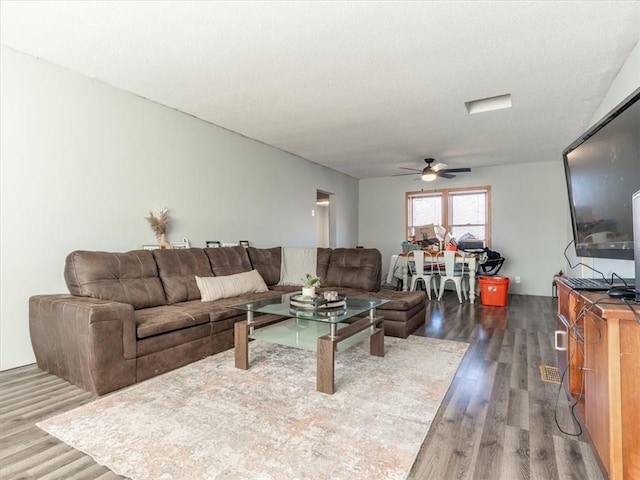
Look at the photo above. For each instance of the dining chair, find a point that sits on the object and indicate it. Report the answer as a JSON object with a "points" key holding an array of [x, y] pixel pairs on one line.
{"points": [[420, 272], [393, 263], [450, 270]]}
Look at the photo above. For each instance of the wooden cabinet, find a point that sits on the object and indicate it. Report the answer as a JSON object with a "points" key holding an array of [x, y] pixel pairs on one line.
{"points": [[597, 410], [603, 376], [570, 304]]}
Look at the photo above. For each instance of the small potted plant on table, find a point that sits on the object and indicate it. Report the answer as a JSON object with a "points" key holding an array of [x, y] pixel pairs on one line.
{"points": [[309, 284]]}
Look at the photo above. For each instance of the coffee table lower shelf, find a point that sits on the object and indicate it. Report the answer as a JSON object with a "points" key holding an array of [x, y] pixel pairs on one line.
{"points": [[309, 335]]}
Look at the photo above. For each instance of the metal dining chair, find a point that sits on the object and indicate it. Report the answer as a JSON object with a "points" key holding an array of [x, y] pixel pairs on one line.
{"points": [[450, 270], [419, 272]]}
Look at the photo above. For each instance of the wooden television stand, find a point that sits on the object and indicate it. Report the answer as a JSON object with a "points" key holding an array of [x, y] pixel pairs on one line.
{"points": [[603, 376]]}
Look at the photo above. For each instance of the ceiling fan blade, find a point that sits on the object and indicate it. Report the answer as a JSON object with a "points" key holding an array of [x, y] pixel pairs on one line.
{"points": [[445, 174], [457, 170], [404, 174], [439, 170]]}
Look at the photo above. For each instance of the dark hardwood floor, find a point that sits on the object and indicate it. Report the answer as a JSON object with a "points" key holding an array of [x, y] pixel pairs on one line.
{"points": [[496, 422], [498, 418]]}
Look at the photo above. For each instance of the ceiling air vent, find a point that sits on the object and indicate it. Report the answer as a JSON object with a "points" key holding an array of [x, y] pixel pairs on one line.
{"points": [[488, 104]]}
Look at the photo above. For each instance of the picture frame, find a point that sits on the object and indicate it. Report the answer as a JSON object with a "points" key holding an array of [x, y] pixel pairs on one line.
{"points": [[180, 245], [150, 247], [244, 243], [213, 244], [229, 244]]}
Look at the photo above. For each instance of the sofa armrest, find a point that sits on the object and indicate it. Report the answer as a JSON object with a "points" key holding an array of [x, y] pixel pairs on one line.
{"points": [[89, 342]]}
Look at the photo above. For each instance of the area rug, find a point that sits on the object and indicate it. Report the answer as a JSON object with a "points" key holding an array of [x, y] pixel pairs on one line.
{"points": [[209, 420]]}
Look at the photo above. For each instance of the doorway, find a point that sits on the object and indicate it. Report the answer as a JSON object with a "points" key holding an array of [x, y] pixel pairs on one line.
{"points": [[323, 219]]}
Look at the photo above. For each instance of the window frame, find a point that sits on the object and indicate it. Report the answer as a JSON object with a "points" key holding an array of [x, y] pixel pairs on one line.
{"points": [[446, 194]]}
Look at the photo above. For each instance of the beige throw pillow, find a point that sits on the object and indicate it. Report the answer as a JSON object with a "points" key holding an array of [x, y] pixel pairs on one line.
{"points": [[213, 288]]}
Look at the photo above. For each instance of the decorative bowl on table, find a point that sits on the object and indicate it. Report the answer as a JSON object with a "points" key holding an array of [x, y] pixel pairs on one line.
{"points": [[319, 302]]}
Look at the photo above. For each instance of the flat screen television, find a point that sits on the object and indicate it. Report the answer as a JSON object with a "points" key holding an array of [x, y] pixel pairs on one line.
{"points": [[602, 169]]}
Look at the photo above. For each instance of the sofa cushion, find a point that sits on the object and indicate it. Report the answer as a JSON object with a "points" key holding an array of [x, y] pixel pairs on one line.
{"points": [[214, 288], [178, 268], [267, 261], [397, 300], [215, 310], [176, 338], [129, 277], [154, 321], [219, 310], [400, 301], [228, 260], [324, 255], [355, 268]]}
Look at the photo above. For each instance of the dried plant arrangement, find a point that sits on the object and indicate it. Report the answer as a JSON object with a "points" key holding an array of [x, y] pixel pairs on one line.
{"points": [[159, 221]]}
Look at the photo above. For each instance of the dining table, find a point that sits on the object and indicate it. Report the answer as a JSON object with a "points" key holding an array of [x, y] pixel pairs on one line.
{"points": [[466, 258]]}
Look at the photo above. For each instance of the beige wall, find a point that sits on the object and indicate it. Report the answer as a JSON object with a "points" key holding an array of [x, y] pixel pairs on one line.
{"points": [[82, 164], [529, 202], [531, 225]]}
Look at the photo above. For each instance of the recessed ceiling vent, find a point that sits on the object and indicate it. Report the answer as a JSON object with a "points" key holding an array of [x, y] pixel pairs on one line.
{"points": [[488, 104]]}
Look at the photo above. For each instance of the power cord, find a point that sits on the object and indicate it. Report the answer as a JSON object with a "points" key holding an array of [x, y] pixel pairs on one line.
{"points": [[572, 406], [573, 330], [581, 340], [613, 274]]}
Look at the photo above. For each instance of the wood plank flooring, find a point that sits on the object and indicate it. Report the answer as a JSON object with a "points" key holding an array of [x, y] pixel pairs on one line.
{"points": [[498, 418], [496, 422]]}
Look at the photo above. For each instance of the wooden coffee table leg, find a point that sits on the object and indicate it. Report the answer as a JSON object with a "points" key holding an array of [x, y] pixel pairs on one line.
{"points": [[326, 351], [241, 344], [376, 341], [325, 365]]}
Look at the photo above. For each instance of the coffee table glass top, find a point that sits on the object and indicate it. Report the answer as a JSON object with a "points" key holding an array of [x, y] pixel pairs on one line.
{"points": [[303, 327], [280, 306]]}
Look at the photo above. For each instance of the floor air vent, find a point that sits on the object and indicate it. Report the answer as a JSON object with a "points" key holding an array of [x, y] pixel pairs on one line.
{"points": [[550, 374]]}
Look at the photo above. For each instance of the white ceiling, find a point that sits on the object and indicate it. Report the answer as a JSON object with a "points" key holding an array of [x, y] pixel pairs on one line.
{"points": [[361, 87]]}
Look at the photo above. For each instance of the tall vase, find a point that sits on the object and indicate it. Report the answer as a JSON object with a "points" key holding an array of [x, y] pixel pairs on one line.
{"points": [[162, 242]]}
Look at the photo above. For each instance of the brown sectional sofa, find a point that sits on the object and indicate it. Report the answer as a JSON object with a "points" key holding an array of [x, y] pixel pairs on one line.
{"points": [[131, 316]]}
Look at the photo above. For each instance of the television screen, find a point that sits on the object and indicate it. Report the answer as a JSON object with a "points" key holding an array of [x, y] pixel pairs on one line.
{"points": [[602, 170]]}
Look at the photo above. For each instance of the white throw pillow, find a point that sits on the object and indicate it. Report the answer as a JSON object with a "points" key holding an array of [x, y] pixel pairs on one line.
{"points": [[213, 288]]}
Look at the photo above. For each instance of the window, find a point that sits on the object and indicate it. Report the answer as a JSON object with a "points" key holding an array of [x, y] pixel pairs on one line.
{"points": [[459, 211]]}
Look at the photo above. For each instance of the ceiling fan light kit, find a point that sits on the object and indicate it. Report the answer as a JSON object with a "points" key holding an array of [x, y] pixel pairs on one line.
{"points": [[430, 173]]}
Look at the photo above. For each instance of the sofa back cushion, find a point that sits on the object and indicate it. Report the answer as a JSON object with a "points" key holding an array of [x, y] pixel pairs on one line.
{"points": [[267, 261], [228, 260], [177, 269], [130, 277], [355, 268], [324, 255]]}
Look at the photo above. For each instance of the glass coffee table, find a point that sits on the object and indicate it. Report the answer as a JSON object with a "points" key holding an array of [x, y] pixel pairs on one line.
{"points": [[324, 331]]}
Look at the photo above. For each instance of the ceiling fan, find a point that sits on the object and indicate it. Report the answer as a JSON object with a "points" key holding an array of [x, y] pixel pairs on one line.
{"points": [[429, 173]]}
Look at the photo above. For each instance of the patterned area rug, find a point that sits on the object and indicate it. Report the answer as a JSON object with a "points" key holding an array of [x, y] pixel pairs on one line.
{"points": [[209, 420]]}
